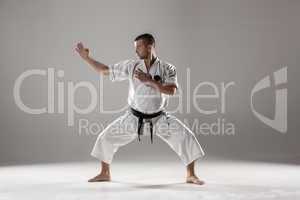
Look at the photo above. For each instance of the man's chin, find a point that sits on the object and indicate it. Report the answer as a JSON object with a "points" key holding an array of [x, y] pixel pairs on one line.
{"points": [[141, 57]]}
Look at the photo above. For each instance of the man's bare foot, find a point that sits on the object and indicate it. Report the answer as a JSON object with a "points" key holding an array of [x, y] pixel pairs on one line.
{"points": [[194, 180], [100, 178]]}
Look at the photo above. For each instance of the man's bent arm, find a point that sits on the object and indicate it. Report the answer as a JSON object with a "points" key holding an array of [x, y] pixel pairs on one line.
{"points": [[169, 89]]}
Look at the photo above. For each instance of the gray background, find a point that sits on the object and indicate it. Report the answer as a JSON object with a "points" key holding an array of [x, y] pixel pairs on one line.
{"points": [[221, 41]]}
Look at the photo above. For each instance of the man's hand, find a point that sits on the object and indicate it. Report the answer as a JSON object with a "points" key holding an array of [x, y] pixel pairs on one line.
{"points": [[142, 76], [83, 52], [98, 66]]}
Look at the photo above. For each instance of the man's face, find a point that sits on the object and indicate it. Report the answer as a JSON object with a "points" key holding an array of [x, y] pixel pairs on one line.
{"points": [[142, 49]]}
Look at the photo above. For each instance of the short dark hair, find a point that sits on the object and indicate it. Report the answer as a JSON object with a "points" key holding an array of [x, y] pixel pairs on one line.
{"points": [[147, 37]]}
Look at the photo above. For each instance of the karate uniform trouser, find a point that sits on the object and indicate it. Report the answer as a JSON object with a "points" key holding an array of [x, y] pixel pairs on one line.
{"points": [[123, 130]]}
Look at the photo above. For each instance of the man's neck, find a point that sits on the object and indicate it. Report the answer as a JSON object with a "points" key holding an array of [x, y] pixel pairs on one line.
{"points": [[149, 61]]}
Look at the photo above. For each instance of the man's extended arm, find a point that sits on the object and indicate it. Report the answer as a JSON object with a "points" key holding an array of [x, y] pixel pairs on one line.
{"points": [[98, 66]]}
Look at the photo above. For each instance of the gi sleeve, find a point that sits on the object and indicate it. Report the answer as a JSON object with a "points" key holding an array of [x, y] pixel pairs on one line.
{"points": [[171, 75], [120, 70]]}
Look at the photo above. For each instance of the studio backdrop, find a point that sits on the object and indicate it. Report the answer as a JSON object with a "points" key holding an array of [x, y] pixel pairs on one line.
{"points": [[237, 65]]}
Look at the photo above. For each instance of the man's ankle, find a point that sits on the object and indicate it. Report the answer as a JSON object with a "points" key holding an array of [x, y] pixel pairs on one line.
{"points": [[105, 171], [189, 174]]}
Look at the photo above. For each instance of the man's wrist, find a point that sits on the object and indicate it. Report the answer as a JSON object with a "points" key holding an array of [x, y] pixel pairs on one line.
{"points": [[86, 58], [156, 84]]}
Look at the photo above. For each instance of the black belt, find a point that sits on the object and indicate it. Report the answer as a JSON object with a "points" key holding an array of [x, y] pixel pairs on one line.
{"points": [[141, 116]]}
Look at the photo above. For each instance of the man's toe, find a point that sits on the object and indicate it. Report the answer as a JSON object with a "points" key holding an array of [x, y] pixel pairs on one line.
{"points": [[195, 180]]}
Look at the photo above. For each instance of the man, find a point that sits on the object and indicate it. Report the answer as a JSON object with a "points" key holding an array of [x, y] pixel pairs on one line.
{"points": [[151, 81]]}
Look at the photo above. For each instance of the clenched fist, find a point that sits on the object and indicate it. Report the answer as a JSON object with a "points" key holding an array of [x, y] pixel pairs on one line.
{"points": [[83, 52]]}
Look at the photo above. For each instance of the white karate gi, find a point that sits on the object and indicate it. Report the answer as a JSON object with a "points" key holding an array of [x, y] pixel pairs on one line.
{"points": [[148, 100]]}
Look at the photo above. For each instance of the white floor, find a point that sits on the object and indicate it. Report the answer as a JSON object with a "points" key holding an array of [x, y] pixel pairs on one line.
{"points": [[224, 180]]}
